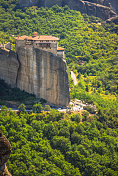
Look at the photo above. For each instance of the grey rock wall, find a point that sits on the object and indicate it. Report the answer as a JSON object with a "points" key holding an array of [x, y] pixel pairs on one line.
{"points": [[93, 9], [28, 3], [43, 74], [36, 71], [114, 4], [9, 67]]}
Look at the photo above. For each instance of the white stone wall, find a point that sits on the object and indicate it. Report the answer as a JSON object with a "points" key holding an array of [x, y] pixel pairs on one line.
{"points": [[60, 54]]}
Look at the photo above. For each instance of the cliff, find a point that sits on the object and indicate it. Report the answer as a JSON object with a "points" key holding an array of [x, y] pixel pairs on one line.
{"points": [[109, 3], [36, 71], [8, 67], [99, 8], [93, 9]]}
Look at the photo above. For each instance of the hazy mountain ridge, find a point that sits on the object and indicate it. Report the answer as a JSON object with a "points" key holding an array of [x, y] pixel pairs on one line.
{"points": [[98, 8]]}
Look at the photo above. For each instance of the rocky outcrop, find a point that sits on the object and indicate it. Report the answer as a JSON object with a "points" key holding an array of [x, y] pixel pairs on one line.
{"points": [[93, 9], [5, 150], [114, 4], [101, 2], [8, 67], [36, 71], [113, 20], [98, 8], [109, 3], [43, 74]]}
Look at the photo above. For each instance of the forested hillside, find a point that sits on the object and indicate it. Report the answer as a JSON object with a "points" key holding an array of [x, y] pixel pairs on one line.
{"points": [[54, 143]]}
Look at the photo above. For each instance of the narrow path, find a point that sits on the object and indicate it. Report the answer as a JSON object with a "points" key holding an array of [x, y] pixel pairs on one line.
{"points": [[74, 78]]}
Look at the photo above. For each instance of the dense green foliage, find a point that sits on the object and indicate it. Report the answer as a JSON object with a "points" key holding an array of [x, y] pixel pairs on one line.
{"points": [[13, 94], [54, 143]]}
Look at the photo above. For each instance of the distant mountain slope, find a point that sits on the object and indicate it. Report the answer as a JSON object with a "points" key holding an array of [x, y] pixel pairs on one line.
{"points": [[98, 8]]}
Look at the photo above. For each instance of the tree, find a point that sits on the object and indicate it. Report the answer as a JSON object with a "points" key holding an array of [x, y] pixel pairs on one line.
{"points": [[37, 108], [47, 108], [61, 143], [22, 108], [76, 138]]}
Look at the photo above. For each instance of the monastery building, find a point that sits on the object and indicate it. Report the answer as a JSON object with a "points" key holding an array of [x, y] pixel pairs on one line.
{"points": [[44, 42]]}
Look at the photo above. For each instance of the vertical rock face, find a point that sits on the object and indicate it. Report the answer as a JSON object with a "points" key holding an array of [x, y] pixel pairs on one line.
{"points": [[43, 74], [48, 3], [8, 67], [36, 71]]}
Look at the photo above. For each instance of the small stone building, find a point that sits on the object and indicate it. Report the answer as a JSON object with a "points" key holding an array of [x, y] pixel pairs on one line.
{"points": [[44, 42]]}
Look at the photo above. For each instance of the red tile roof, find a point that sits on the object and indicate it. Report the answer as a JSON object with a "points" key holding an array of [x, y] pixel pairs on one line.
{"points": [[60, 49], [40, 37]]}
